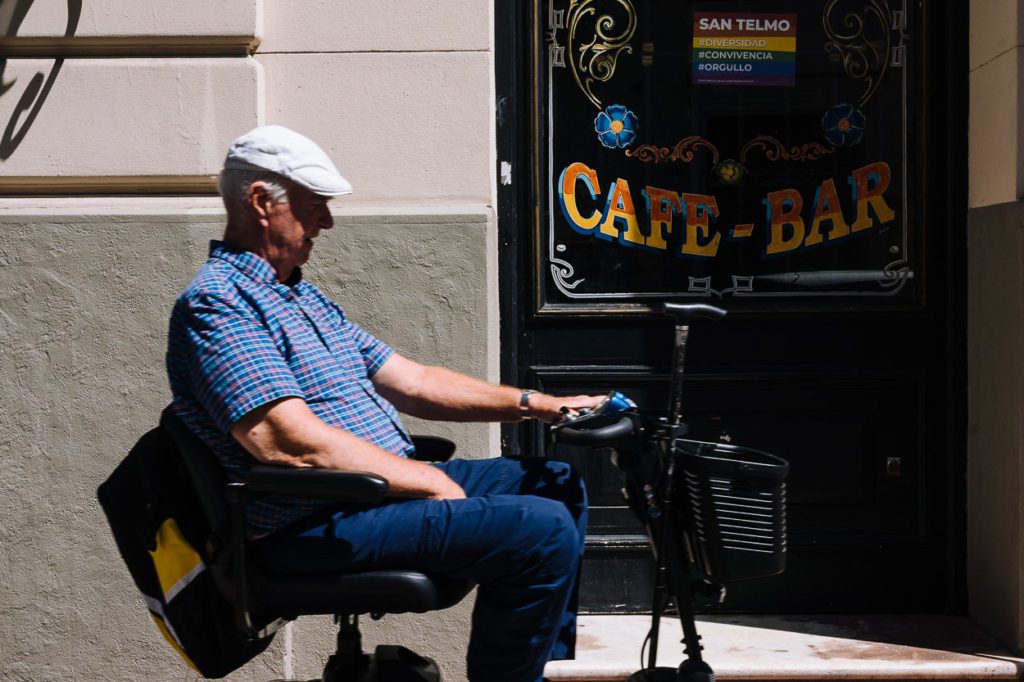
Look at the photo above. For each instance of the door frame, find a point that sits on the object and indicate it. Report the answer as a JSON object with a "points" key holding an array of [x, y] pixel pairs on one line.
{"points": [[515, 44]]}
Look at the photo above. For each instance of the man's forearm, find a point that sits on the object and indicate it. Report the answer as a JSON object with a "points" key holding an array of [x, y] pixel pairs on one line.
{"points": [[437, 393], [287, 433], [451, 396]]}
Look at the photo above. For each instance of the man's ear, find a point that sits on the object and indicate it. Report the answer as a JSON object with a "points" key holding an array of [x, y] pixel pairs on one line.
{"points": [[259, 198]]}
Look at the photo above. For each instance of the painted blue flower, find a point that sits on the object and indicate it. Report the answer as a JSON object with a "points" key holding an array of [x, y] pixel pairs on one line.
{"points": [[616, 126], [844, 125]]}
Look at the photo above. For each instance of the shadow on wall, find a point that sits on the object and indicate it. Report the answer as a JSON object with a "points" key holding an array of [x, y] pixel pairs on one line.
{"points": [[12, 13]]}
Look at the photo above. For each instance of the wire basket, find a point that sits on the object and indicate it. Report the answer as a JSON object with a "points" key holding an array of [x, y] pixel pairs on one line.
{"points": [[737, 509]]}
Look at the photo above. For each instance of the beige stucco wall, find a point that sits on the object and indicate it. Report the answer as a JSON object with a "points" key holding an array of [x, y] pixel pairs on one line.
{"points": [[996, 419], [136, 103], [995, 441], [84, 300]]}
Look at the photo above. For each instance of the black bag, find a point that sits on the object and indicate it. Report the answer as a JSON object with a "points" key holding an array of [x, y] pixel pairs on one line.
{"points": [[165, 540]]}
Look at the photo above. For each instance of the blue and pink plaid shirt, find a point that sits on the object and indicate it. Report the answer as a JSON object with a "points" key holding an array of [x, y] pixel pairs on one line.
{"points": [[239, 339]]}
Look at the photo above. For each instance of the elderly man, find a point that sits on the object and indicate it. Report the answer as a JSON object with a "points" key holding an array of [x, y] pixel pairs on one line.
{"points": [[264, 367]]}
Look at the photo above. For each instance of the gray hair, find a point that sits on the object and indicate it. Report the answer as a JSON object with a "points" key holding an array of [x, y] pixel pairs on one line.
{"points": [[234, 184]]}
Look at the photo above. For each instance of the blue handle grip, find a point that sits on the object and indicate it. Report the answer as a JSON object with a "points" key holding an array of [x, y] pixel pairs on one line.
{"points": [[616, 403]]}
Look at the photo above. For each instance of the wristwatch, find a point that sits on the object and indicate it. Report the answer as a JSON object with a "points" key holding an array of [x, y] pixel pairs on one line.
{"points": [[524, 403]]}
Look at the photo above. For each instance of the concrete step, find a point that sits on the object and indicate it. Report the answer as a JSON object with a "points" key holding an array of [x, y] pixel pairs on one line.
{"points": [[782, 648]]}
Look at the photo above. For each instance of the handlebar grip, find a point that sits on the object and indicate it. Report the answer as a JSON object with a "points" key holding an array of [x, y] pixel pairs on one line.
{"points": [[684, 312], [623, 427]]}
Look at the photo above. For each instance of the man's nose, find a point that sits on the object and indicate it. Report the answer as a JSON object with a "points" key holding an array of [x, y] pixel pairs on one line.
{"points": [[326, 220]]}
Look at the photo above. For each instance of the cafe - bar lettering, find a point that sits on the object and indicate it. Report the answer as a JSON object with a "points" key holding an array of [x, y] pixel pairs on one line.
{"points": [[792, 221]]}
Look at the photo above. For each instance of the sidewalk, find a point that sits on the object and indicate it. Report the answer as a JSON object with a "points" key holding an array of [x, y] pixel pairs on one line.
{"points": [[918, 647]]}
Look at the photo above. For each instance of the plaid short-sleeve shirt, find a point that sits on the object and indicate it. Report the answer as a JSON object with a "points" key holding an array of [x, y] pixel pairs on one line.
{"points": [[239, 339]]}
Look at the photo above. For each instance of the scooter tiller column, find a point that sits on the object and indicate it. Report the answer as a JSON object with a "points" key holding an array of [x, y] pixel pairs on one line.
{"points": [[675, 404]]}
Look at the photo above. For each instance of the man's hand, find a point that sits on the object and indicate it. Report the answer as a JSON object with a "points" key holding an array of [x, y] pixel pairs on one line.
{"points": [[549, 408], [447, 489]]}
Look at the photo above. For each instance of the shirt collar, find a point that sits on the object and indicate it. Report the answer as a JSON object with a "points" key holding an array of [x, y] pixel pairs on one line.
{"points": [[251, 265]]}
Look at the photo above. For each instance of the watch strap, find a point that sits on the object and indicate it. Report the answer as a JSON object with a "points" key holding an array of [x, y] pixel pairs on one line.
{"points": [[524, 403]]}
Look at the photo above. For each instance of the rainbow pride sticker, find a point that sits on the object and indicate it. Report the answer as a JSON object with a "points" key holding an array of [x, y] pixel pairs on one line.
{"points": [[744, 49]]}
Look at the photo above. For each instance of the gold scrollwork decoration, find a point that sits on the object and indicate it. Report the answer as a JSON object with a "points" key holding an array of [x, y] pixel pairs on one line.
{"points": [[729, 171], [594, 60], [682, 151], [774, 150], [863, 58]]}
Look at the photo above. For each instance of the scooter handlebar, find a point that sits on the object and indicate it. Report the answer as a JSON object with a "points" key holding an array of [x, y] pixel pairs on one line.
{"points": [[595, 437], [684, 312]]}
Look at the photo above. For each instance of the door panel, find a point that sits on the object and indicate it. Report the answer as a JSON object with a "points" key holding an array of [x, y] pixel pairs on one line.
{"points": [[840, 433]]}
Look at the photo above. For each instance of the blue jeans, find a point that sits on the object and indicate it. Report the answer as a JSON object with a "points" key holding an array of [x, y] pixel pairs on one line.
{"points": [[518, 535]]}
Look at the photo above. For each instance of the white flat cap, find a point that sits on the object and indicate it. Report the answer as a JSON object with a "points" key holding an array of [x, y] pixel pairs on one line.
{"points": [[287, 153]]}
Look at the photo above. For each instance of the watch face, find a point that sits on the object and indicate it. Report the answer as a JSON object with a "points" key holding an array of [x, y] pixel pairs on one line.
{"points": [[524, 402]]}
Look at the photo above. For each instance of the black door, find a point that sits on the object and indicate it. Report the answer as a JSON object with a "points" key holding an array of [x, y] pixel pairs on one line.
{"points": [[800, 164]]}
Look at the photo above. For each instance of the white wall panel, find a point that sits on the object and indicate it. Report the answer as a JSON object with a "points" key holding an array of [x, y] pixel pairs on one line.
{"points": [[995, 156], [123, 117], [995, 27], [357, 25], [49, 18], [403, 128]]}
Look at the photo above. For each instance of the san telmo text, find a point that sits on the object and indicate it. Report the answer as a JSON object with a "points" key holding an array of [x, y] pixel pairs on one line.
{"points": [[792, 223]]}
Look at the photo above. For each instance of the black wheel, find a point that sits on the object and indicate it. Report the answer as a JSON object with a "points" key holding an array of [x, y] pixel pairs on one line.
{"points": [[658, 674], [695, 671]]}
